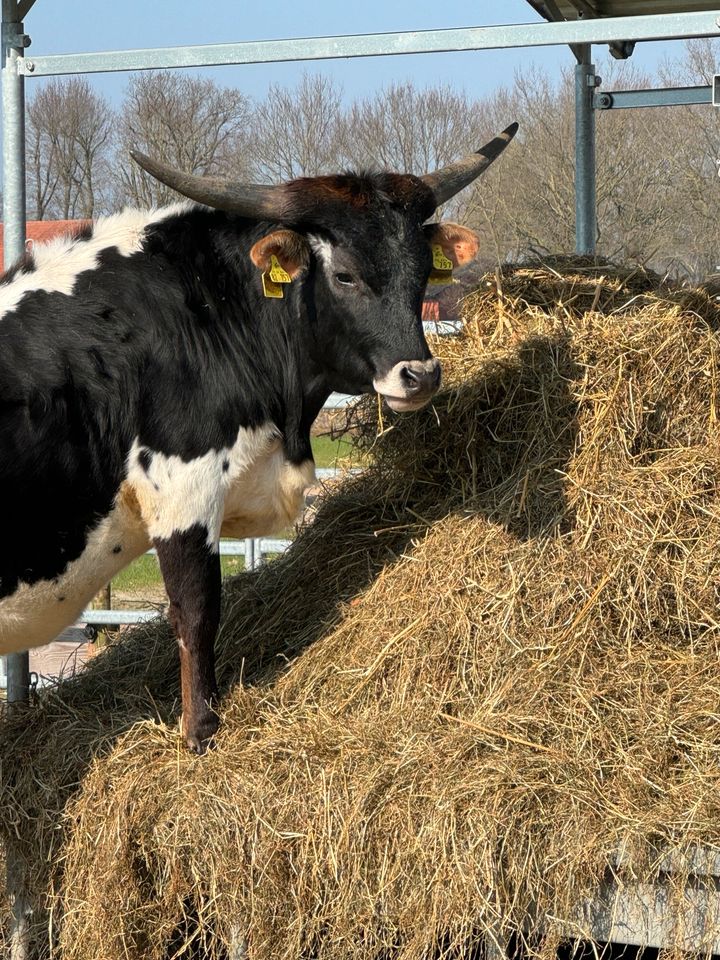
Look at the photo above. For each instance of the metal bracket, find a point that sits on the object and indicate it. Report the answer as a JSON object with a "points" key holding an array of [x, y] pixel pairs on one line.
{"points": [[662, 97], [17, 40], [13, 36], [622, 49]]}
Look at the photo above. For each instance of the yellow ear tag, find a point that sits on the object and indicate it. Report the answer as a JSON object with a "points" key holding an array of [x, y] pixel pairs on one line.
{"points": [[278, 274], [270, 289], [440, 261], [442, 268]]}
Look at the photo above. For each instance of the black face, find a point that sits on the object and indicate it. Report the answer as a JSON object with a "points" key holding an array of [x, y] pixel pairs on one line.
{"points": [[369, 283]]}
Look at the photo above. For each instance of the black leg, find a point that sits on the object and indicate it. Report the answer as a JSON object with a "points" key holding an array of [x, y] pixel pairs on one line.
{"points": [[191, 571]]}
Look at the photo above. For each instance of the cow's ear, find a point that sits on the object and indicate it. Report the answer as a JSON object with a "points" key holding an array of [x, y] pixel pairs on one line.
{"points": [[289, 248], [459, 244]]}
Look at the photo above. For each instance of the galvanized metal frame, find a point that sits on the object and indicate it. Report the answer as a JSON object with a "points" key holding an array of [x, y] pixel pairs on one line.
{"points": [[579, 34], [658, 27], [661, 97], [585, 202]]}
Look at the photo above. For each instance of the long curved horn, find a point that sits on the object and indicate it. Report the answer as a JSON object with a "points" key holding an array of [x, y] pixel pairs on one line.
{"points": [[449, 180], [254, 200]]}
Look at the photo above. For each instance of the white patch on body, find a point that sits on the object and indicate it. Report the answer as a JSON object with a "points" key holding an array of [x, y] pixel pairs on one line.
{"points": [[268, 496], [36, 613], [258, 493], [248, 489], [60, 261]]}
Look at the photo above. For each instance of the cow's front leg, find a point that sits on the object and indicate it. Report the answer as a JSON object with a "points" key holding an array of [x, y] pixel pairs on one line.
{"points": [[191, 570]]}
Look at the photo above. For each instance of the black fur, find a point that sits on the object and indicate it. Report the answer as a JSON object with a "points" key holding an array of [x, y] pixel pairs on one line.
{"points": [[191, 571], [177, 347]]}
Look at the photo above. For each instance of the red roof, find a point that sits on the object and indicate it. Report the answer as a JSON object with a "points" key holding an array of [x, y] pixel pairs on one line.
{"points": [[38, 231]]}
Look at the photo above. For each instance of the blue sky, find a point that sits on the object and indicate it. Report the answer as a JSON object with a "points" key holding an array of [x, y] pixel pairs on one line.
{"points": [[67, 26]]}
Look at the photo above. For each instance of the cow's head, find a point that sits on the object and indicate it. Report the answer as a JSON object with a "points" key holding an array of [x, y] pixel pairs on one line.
{"points": [[363, 247]]}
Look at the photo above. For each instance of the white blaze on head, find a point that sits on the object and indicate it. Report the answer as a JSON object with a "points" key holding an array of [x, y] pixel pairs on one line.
{"points": [[322, 249]]}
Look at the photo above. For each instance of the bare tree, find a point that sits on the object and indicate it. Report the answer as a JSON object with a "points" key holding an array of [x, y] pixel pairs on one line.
{"points": [[633, 173], [410, 130], [691, 142], [525, 201], [68, 141], [189, 122], [297, 131]]}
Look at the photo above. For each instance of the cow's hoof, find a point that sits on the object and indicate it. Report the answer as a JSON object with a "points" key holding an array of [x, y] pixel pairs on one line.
{"points": [[199, 735]]}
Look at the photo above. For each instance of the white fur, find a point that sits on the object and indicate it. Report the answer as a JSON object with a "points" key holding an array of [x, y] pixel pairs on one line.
{"points": [[323, 249], [174, 495], [259, 493], [59, 262], [36, 613]]}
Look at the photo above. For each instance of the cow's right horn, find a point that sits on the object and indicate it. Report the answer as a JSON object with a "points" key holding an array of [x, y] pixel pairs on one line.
{"points": [[449, 180], [253, 200]]}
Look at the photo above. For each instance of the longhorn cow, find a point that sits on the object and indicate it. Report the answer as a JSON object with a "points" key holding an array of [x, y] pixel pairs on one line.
{"points": [[160, 372]]}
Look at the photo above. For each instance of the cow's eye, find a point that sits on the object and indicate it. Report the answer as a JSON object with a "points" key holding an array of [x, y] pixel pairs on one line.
{"points": [[346, 279]]}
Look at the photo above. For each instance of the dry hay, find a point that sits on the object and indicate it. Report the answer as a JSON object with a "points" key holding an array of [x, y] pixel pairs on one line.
{"points": [[483, 678]]}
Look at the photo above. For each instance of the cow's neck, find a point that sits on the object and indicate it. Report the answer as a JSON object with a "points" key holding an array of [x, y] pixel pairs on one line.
{"points": [[312, 389], [300, 417]]}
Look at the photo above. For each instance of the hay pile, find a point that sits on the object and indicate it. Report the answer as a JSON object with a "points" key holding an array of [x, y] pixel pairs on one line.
{"points": [[484, 676]]}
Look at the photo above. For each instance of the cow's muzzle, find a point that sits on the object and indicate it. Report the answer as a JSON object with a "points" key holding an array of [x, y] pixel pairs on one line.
{"points": [[409, 384]]}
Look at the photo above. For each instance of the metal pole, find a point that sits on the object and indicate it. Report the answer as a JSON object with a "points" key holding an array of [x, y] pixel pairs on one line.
{"points": [[585, 209], [13, 121], [13, 127]]}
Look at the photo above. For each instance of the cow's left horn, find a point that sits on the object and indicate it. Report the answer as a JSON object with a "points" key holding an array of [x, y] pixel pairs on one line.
{"points": [[254, 200], [449, 180]]}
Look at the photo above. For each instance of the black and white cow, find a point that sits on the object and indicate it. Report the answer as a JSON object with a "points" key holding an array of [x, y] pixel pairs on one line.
{"points": [[152, 393]]}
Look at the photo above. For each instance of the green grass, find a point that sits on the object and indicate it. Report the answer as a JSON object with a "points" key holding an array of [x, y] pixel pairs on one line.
{"points": [[141, 574], [328, 450], [144, 573]]}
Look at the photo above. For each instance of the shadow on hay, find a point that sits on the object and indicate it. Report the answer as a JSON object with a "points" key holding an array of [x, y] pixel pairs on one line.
{"points": [[495, 445]]}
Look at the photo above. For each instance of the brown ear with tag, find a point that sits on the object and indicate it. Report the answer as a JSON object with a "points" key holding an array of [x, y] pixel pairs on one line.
{"points": [[452, 246], [281, 256]]}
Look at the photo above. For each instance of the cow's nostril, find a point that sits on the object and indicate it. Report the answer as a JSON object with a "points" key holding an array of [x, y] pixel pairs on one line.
{"points": [[410, 377]]}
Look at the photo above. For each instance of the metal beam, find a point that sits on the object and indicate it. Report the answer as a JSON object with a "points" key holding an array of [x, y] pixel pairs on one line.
{"points": [[23, 8], [13, 127], [584, 8], [662, 97], [659, 27]]}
